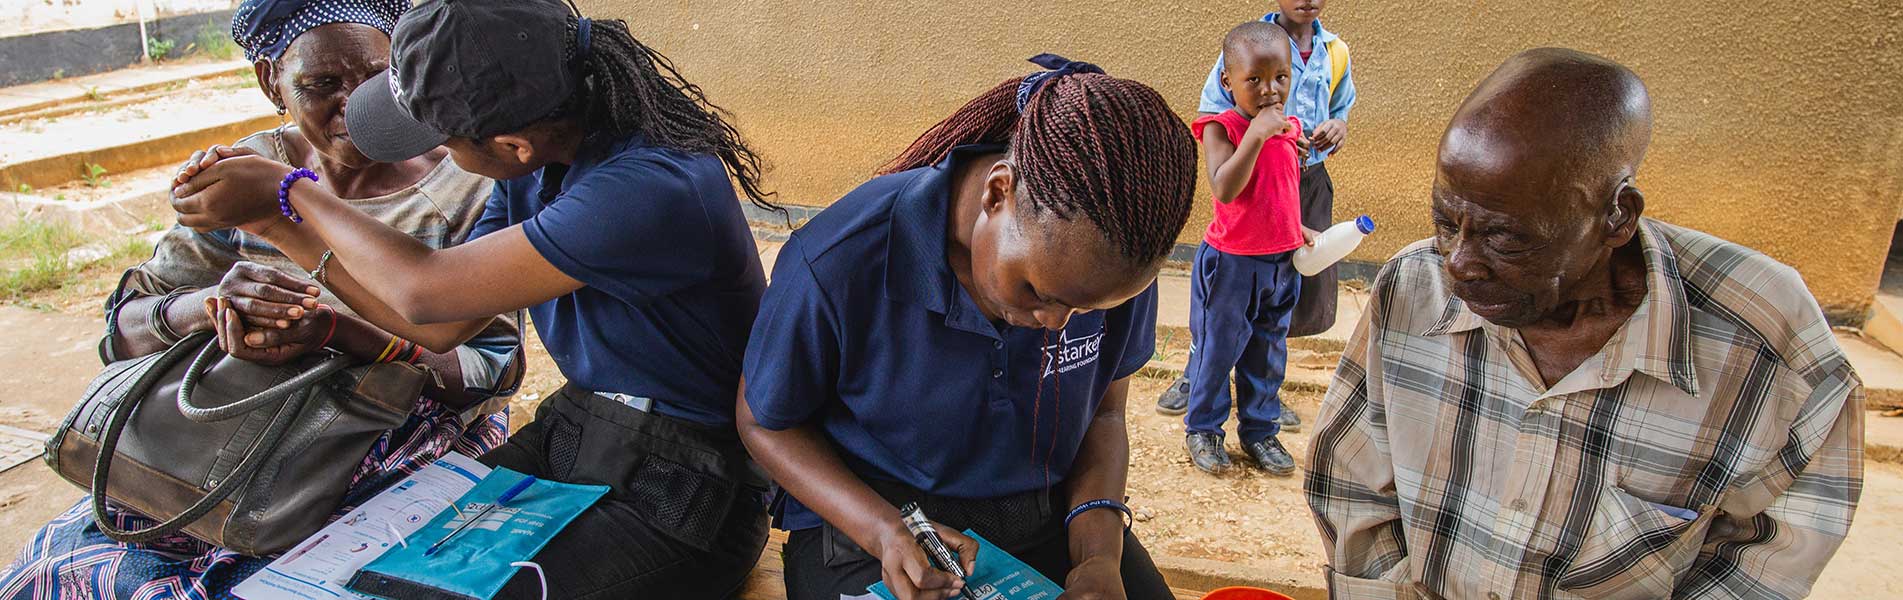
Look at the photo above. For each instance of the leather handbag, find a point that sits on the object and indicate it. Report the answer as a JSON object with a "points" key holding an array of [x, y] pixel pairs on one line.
{"points": [[248, 457]]}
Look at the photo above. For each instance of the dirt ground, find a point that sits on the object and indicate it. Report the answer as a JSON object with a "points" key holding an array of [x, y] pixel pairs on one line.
{"points": [[1247, 518]]}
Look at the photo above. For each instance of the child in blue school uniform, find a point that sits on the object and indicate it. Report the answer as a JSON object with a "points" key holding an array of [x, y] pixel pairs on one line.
{"points": [[1244, 286], [960, 332], [1321, 93]]}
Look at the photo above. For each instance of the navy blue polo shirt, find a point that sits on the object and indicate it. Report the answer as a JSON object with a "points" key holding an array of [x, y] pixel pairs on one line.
{"points": [[866, 333], [672, 275]]}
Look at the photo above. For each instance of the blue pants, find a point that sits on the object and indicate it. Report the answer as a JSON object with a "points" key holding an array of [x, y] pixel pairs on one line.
{"points": [[1239, 308]]}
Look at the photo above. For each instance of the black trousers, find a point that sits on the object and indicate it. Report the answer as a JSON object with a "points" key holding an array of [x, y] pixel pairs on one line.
{"points": [[823, 564], [1315, 308], [684, 517]]}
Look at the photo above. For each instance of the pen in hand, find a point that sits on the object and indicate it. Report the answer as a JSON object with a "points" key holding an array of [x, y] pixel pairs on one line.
{"points": [[927, 538]]}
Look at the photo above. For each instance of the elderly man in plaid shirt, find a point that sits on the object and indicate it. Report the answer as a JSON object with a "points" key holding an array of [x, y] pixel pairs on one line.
{"points": [[1558, 398]]}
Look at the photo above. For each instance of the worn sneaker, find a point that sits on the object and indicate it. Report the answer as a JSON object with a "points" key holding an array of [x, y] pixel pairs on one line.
{"points": [[1272, 457], [1289, 421], [1175, 399], [1205, 451]]}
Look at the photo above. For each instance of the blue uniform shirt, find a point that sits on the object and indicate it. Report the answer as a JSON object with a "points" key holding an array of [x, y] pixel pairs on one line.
{"points": [[1309, 99], [673, 277], [866, 333]]}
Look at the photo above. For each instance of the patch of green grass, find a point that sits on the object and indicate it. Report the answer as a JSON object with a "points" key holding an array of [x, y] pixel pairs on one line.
{"points": [[93, 94], [31, 238], [26, 189], [132, 249], [59, 74], [215, 41], [34, 255], [34, 258]]}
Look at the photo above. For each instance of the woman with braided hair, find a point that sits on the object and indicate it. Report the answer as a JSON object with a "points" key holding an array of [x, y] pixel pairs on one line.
{"points": [[613, 222], [959, 333]]}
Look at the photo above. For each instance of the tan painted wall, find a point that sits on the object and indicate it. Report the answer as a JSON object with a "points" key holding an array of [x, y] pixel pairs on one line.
{"points": [[1778, 130]]}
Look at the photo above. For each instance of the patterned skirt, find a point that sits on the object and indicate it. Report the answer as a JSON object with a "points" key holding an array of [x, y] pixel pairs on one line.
{"points": [[70, 559]]}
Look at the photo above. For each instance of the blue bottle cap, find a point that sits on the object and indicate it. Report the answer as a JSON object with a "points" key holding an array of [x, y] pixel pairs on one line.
{"points": [[1365, 224]]}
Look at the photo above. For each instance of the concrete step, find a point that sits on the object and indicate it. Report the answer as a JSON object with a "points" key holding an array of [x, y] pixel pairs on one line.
{"points": [[118, 136], [34, 98], [1172, 313], [1882, 438], [1881, 370], [133, 202], [1885, 326], [1882, 373]]}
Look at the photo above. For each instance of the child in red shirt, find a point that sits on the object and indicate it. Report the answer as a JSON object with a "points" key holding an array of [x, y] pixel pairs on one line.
{"points": [[1244, 285]]}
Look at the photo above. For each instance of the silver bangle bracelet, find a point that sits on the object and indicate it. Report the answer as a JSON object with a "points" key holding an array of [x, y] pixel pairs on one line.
{"points": [[319, 273], [155, 320]]}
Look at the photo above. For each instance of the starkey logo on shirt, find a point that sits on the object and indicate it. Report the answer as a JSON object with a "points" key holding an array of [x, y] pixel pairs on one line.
{"points": [[1068, 354]]}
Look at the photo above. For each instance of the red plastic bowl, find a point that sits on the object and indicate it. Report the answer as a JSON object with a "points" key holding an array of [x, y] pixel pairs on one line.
{"points": [[1244, 593]]}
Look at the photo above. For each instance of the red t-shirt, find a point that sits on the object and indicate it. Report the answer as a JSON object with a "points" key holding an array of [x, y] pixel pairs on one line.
{"points": [[1266, 218]]}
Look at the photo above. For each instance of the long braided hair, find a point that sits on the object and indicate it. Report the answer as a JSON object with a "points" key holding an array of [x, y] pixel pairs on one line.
{"points": [[630, 88], [1086, 143], [1083, 143]]}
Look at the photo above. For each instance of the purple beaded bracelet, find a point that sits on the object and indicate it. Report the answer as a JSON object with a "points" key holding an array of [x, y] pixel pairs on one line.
{"points": [[284, 192]]}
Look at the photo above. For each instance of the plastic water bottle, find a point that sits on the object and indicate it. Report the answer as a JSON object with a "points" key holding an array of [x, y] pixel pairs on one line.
{"points": [[1333, 245]]}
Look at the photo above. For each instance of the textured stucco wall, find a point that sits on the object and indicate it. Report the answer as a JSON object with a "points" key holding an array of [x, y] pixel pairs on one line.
{"points": [[1778, 129]]}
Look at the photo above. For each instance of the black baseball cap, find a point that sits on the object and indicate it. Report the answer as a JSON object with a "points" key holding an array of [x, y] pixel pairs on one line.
{"points": [[464, 68]]}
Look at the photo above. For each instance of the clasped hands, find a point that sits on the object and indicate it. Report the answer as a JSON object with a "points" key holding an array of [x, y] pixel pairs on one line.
{"points": [[258, 313]]}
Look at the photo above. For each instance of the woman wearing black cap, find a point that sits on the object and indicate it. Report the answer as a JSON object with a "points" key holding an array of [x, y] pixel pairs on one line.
{"points": [[613, 222], [308, 55]]}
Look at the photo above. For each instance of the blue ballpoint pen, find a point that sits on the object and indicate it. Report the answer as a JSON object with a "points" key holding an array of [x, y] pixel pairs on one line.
{"points": [[510, 494]]}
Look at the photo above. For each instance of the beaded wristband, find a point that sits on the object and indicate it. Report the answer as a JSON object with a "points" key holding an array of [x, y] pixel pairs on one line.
{"points": [[284, 192], [1102, 503]]}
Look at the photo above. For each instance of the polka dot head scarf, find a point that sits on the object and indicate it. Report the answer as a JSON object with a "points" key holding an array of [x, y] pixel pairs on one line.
{"points": [[264, 28]]}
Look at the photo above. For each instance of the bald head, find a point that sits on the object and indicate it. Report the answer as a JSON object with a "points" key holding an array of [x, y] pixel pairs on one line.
{"points": [[1554, 114], [1533, 190]]}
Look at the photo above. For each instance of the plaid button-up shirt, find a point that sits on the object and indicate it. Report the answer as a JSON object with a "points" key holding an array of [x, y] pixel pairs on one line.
{"points": [[1712, 449]]}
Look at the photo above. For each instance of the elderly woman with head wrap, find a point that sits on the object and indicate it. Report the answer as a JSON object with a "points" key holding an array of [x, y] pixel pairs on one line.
{"points": [[309, 55]]}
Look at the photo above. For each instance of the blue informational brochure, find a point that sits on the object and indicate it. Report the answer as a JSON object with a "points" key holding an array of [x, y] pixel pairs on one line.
{"points": [[997, 576]]}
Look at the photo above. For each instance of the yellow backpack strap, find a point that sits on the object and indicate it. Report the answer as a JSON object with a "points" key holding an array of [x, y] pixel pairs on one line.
{"points": [[1337, 64]]}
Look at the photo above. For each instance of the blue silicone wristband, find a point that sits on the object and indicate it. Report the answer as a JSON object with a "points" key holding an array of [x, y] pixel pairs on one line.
{"points": [[1097, 504]]}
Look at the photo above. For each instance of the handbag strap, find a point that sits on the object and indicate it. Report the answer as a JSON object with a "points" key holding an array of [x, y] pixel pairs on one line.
{"points": [[212, 353], [248, 466]]}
